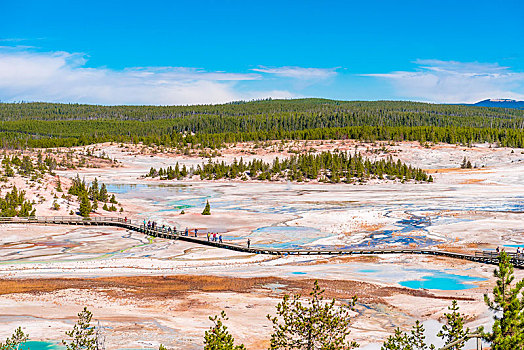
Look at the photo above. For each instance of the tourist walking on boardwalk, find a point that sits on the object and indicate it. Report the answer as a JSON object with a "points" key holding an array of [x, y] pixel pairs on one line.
{"points": [[186, 232], [248, 243], [220, 239], [196, 231], [498, 250], [208, 236]]}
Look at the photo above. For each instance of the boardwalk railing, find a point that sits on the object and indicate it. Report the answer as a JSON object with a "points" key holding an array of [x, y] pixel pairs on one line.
{"points": [[487, 257]]}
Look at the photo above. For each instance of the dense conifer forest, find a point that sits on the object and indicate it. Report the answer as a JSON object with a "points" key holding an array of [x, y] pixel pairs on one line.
{"points": [[325, 167], [53, 125]]}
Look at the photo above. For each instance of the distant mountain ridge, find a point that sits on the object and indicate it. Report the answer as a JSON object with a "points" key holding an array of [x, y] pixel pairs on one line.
{"points": [[500, 102]]}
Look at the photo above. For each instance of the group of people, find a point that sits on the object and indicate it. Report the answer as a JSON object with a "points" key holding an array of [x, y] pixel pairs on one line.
{"points": [[214, 237], [211, 236], [152, 225]]}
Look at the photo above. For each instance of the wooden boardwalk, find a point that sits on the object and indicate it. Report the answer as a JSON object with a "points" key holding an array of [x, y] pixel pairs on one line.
{"points": [[486, 257]]}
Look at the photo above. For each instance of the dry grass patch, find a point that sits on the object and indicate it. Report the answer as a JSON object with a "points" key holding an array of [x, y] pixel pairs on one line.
{"points": [[162, 287]]}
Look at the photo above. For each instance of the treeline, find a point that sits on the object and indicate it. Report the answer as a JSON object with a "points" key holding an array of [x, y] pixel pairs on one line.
{"points": [[325, 167], [54, 125], [363, 109]]}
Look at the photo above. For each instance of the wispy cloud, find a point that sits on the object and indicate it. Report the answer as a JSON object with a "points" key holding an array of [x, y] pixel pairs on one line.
{"points": [[456, 82], [299, 72], [64, 77], [12, 40]]}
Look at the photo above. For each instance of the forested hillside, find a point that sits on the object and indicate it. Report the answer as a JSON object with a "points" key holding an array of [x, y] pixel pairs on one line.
{"points": [[51, 125]]}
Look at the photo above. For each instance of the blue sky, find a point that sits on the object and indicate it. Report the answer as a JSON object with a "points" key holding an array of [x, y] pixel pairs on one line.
{"points": [[185, 52]]}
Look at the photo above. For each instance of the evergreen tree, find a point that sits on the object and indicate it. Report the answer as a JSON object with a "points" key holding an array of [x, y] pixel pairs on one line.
{"points": [[78, 187], [83, 334], [398, 341], [415, 340], [93, 190], [58, 185], [207, 209], [317, 325], [15, 204], [508, 304], [13, 343], [102, 195], [418, 339], [218, 337], [85, 205], [454, 329], [9, 172]]}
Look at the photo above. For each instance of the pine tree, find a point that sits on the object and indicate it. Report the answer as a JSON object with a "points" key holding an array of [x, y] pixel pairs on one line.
{"points": [[58, 185], [83, 334], [9, 172], [399, 341], [18, 338], [207, 209], [85, 205], [218, 337], [317, 325], [508, 304], [102, 194], [415, 340], [454, 329], [93, 190]]}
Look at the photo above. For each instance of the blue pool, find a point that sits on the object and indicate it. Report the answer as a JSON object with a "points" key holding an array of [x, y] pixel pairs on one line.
{"points": [[41, 345], [442, 281]]}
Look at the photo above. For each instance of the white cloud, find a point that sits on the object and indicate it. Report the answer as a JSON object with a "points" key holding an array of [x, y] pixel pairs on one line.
{"points": [[63, 77], [299, 72], [456, 82]]}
